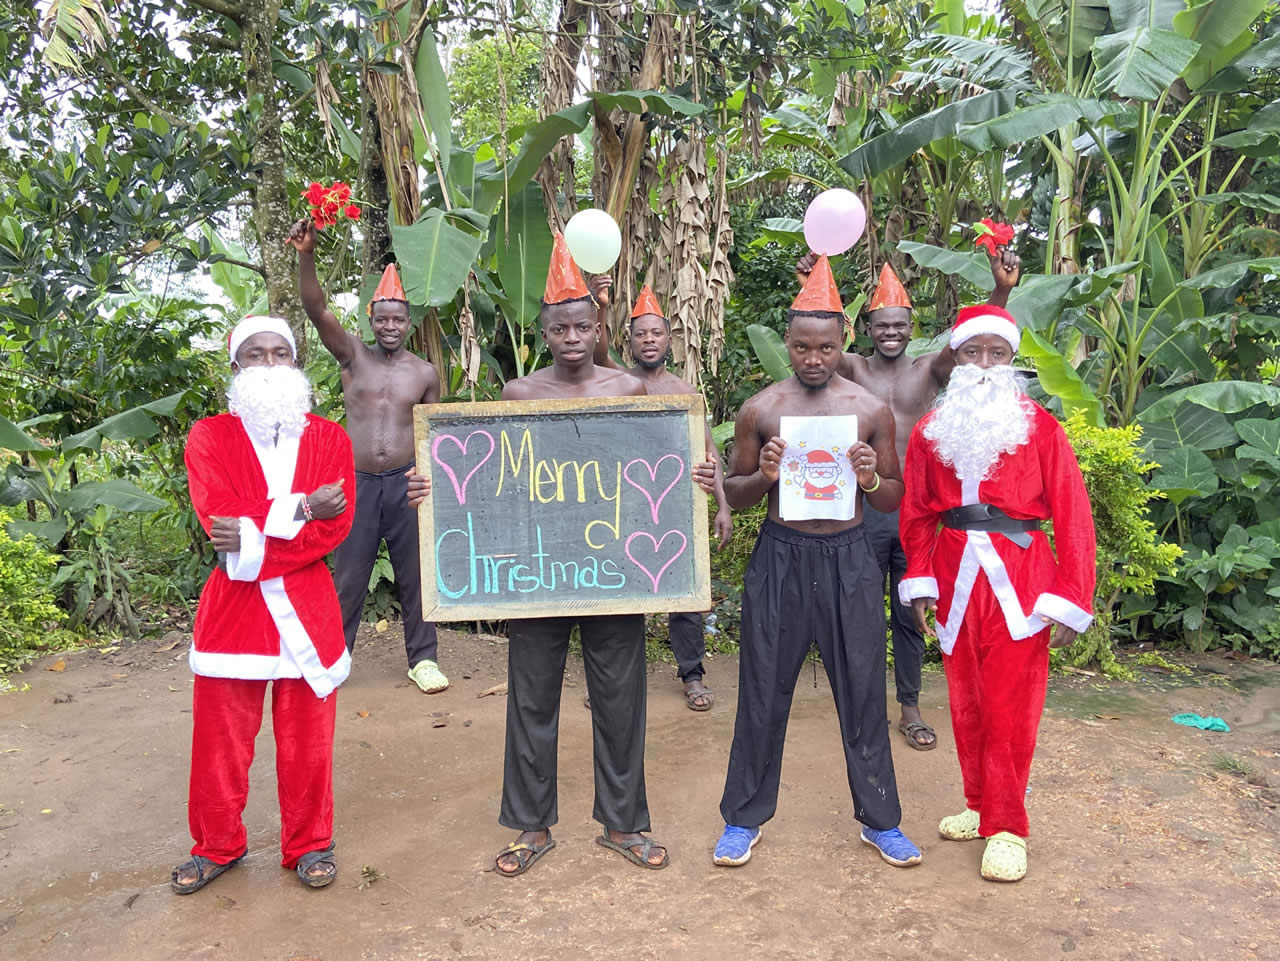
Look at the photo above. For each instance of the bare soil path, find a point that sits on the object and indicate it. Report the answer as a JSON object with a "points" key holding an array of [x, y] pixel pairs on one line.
{"points": [[1141, 847]]}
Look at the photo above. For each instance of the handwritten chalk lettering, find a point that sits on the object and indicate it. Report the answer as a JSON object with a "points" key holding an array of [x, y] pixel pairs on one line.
{"points": [[563, 507]]}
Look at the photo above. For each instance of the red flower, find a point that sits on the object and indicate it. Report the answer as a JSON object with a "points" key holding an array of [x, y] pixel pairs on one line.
{"points": [[992, 235], [327, 204]]}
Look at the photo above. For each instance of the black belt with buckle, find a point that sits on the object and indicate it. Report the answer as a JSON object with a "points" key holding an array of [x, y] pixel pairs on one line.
{"points": [[985, 517]]}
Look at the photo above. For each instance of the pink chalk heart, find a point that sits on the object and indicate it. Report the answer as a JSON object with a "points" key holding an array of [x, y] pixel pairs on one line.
{"points": [[657, 550], [654, 505], [461, 489]]}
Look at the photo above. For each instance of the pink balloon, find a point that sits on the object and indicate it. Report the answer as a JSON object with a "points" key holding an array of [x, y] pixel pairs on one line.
{"points": [[834, 221]]}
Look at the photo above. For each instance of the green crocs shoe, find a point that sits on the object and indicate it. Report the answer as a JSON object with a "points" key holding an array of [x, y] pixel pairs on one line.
{"points": [[1005, 858], [960, 827], [426, 674]]}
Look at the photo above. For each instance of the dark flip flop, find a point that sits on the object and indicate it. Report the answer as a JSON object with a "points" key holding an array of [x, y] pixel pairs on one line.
{"points": [[206, 871], [691, 698], [646, 848], [310, 860], [527, 854], [909, 731]]}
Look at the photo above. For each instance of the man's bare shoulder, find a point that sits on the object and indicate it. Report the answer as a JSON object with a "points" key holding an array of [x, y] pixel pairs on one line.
{"points": [[620, 383], [666, 383], [853, 367]]}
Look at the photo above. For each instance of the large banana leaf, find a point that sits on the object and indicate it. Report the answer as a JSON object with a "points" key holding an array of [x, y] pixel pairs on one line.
{"points": [[1132, 14], [894, 146], [1039, 299], [973, 266], [435, 257], [1261, 438], [1221, 27], [1185, 472], [1142, 63], [1224, 396], [1179, 353], [137, 423], [1231, 274], [1059, 378], [1189, 426], [771, 351], [117, 493], [1037, 117], [14, 438], [523, 251], [433, 91]]}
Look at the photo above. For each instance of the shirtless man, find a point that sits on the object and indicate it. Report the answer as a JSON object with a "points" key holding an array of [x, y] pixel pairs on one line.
{"points": [[909, 385], [612, 645], [810, 582], [380, 384], [650, 346]]}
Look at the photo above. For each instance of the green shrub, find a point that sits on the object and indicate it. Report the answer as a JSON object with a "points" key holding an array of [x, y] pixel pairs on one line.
{"points": [[30, 621], [1130, 553]]}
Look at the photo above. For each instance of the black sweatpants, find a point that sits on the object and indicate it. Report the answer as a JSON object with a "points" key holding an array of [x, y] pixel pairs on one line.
{"points": [[383, 513], [800, 589], [908, 642], [613, 655], [684, 634]]}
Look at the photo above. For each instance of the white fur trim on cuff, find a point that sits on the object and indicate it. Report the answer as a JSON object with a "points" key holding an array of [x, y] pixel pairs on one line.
{"points": [[985, 324], [280, 519], [246, 563], [912, 587], [1055, 608]]}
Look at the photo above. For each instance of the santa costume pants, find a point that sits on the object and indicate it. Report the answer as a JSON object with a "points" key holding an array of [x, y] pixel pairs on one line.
{"points": [[997, 688], [613, 656], [383, 513], [227, 713], [801, 589]]}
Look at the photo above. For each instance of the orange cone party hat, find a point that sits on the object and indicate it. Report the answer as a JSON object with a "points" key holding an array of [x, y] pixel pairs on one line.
{"points": [[389, 288], [819, 293], [564, 279], [646, 303], [890, 293]]}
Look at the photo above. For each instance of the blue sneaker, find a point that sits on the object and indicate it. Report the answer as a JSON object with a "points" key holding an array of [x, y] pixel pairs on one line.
{"points": [[893, 846], [734, 846]]}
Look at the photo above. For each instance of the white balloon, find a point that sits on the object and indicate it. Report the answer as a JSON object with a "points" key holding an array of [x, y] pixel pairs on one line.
{"points": [[593, 239]]}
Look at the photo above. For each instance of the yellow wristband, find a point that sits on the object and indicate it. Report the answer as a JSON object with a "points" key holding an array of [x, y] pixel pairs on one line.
{"points": [[873, 488]]}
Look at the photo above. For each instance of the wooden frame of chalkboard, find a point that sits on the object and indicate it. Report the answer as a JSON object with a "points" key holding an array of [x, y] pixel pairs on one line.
{"points": [[557, 508]]}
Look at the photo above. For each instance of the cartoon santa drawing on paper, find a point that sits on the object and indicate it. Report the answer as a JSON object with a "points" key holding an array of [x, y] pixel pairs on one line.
{"points": [[821, 474]]}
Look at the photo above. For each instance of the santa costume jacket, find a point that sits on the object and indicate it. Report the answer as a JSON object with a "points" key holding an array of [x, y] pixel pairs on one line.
{"points": [[273, 613], [1041, 480]]}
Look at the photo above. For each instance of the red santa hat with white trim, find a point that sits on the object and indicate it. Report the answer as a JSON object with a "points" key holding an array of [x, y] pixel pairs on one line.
{"points": [[984, 319], [254, 324]]}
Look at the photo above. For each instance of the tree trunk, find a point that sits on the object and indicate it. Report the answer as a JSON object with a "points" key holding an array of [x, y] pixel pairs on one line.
{"points": [[272, 216], [373, 188]]}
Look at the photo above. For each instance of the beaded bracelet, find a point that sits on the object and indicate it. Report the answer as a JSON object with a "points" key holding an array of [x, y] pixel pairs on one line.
{"points": [[306, 509], [873, 488]]}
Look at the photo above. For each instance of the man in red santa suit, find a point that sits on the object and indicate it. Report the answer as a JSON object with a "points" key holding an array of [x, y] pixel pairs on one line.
{"points": [[982, 470], [267, 482]]}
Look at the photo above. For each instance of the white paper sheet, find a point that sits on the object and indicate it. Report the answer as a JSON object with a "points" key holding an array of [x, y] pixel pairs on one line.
{"points": [[816, 480]]}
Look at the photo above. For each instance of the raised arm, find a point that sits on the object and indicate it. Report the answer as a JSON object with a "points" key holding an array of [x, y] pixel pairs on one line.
{"points": [[600, 286], [1006, 268], [337, 341]]}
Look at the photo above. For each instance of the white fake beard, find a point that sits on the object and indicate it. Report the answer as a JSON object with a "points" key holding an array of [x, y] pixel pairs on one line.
{"points": [[269, 400], [981, 415]]}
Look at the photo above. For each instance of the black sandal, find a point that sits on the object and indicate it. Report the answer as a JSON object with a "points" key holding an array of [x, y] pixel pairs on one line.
{"points": [[206, 871], [526, 855], [646, 846], [310, 860]]}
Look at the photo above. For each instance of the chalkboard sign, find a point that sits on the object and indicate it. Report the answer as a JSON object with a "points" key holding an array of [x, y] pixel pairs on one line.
{"points": [[552, 508]]}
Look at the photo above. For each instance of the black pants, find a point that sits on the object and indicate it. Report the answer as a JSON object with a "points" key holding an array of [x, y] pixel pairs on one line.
{"points": [[908, 642], [383, 513], [684, 634], [800, 589], [613, 655]]}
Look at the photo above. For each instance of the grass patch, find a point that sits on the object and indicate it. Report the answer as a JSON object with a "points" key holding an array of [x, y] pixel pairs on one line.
{"points": [[1230, 764]]}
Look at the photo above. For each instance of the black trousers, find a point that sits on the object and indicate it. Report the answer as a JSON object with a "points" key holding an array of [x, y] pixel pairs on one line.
{"points": [[684, 634], [383, 513], [908, 642], [800, 589], [613, 655]]}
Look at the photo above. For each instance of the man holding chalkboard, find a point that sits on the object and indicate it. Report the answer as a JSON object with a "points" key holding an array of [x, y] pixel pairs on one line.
{"points": [[650, 346], [612, 645], [380, 385], [812, 581]]}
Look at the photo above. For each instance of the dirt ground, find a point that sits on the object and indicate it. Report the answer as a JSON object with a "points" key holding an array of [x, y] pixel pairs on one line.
{"points": [[1142, 845]]}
